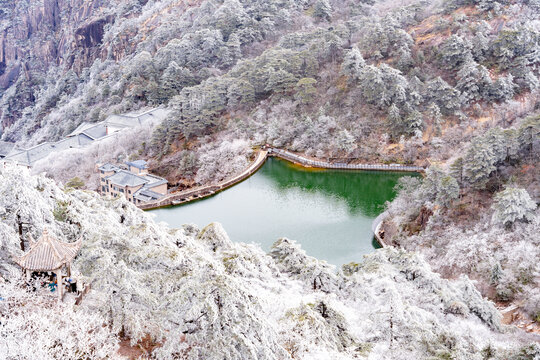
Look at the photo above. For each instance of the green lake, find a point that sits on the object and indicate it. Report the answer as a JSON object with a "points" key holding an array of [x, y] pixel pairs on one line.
{"points": [[329, 212]]}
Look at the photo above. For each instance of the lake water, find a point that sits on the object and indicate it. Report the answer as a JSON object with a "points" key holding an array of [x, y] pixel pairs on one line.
{"points": [[329, 212]]}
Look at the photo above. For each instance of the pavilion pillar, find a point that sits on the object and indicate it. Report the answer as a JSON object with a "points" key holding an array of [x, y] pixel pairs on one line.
{"points": [[59, 284]]}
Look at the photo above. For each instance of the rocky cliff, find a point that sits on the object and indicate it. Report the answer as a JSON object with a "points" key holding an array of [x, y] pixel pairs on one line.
{"points": [[36, 35]]}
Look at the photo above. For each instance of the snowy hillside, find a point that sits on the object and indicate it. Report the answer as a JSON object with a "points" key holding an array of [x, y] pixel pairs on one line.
{"points": [[200, 296]]}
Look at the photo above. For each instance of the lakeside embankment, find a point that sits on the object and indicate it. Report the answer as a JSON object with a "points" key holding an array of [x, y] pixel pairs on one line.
{"points": [[201, 192]]}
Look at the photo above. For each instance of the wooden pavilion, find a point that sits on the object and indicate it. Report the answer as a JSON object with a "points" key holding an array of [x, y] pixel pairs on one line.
{"points": [[49, 254]]}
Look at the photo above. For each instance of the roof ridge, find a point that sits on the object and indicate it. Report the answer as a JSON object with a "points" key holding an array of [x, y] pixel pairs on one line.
{"points": [[49, 239], [49, 253]]}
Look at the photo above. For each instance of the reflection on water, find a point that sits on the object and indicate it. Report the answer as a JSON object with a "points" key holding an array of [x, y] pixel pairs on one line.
{"points": [[365, 192], [328, 211]]}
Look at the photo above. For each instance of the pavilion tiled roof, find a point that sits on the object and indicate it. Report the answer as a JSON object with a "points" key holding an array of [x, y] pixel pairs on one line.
{"points": [[48, 254]]}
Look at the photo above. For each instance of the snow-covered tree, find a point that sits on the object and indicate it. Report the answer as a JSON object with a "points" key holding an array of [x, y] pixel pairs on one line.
{"points": [[32, 327], [443, 95], [345, 141], [478, 163], [448, 191], [439, 187], [435, 113], [322, 9], [175, 78], [305, 90], [413, 123], [511, 205], [473, 81], [455, 51], [529, 135], [353, 63], [218, 163], [240, 92], [280, 81], [502, 89]]}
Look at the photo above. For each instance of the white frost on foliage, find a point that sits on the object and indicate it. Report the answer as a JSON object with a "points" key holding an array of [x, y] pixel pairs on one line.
{"points": [[32, 327], [219, 162], [513, 204], [202, 296]]}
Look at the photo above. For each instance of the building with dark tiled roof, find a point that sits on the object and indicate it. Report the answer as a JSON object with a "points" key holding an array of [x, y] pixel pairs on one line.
{"points": [[94, 131], [28, 157], [138, 166], [83, 135], [136, 184]]}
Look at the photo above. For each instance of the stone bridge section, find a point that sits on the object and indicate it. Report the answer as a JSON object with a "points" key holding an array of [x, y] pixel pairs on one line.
{"points": [[200, 192]]}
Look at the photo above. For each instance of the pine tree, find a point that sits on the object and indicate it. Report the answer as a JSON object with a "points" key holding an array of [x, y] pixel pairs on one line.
{"points": [[502, 89], [142, 66], [480, 42], [231, 52], [436, 115], [322, 10], [439, 187], [345, 141], [240, 92], [383, 86], [305, 90], [478, 163], [511, 205], [280, 81], [229, 17], [414, 122], [454, 52], [394, 120], [529, 135], [431, 182], [496, 273], [511, 144], [496, 140], [470, 81], [456, 170], [443, 95], [353, 63], [405, 60], [448, 191], [169, 85]]}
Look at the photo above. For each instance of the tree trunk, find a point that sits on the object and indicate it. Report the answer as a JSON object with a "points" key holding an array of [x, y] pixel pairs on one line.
{"points": [[19, 223]]}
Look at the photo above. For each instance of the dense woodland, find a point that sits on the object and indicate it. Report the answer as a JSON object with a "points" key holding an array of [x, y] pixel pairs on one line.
{"points": [[453, 86]]}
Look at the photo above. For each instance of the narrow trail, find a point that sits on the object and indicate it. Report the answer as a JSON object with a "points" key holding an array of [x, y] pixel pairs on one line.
{"points": [[200, 192]]}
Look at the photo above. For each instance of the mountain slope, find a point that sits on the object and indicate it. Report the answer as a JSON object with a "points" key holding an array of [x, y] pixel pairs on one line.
{"points": [[199, 295]]}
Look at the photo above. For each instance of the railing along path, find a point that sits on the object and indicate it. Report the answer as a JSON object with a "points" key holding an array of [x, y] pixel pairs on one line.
{"points": [[287, 155]]}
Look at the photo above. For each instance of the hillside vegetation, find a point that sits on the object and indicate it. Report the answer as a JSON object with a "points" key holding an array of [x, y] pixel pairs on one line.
{"points": [[449, 85], [195, 294]]}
